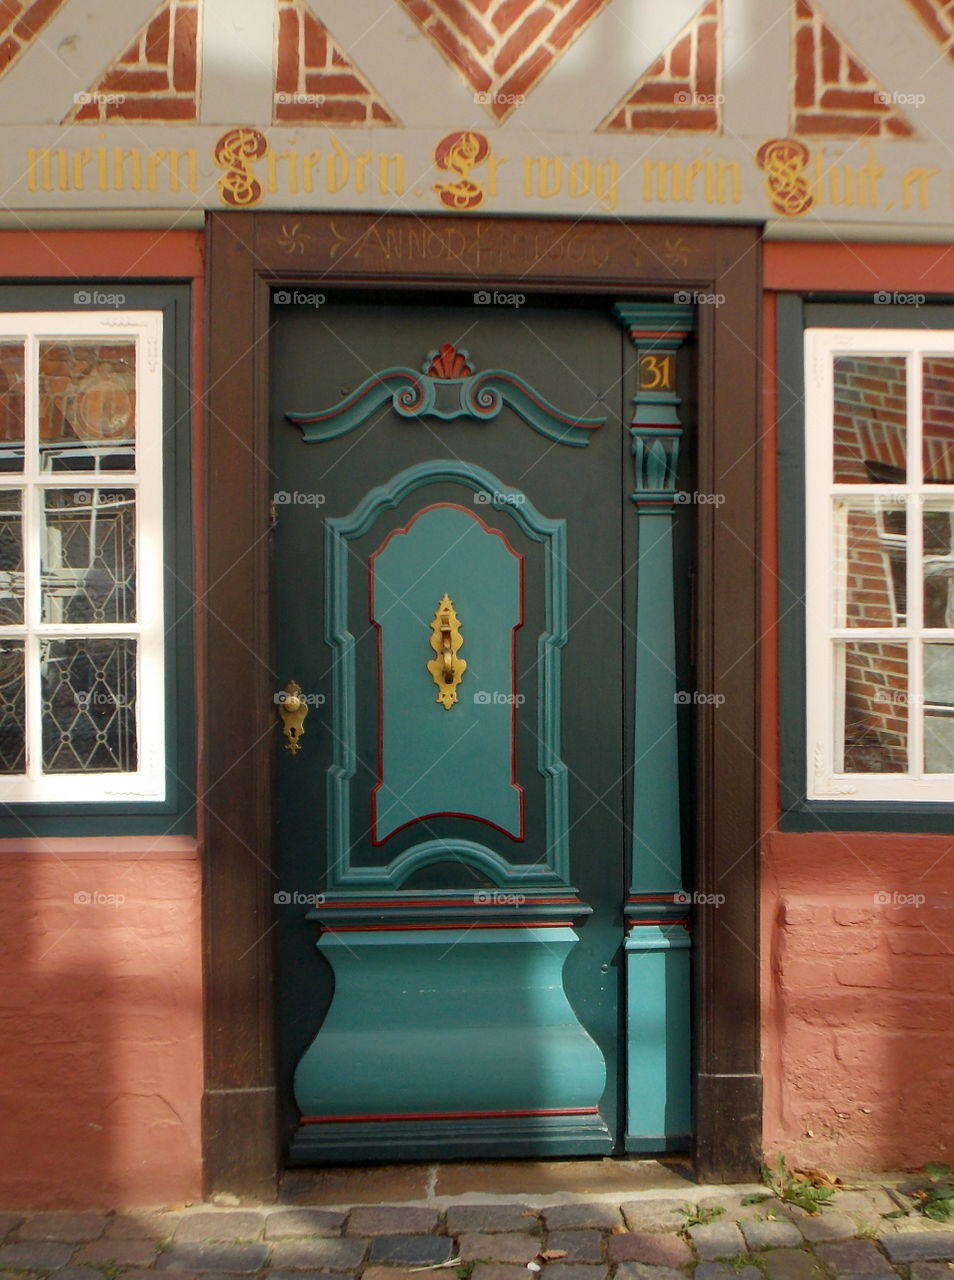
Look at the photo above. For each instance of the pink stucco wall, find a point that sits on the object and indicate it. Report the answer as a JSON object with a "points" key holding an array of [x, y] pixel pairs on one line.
{"points": [[101, 1015]]}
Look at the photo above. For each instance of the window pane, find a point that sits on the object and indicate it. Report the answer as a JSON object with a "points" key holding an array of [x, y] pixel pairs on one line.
{"points": [[874, 733], [89, 705], [939, 708], [11, 406], [89, 555], [87, 405], [12, 708], [871, 560], [938, 528], [11, 556], [870, 420], [937, 419]]}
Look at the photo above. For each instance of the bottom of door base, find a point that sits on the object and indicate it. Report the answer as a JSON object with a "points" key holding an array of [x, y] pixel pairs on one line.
{"points": [[439, 1139]]}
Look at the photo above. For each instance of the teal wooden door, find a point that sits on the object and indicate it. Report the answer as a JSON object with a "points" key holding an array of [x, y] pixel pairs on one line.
{"points": [[454, 564]]}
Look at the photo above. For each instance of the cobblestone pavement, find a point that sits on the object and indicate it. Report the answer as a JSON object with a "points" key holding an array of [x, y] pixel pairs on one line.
{"points": [[646, 1237]]}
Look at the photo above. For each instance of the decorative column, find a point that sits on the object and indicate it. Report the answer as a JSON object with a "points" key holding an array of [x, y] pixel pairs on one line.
{"points": [[657, 942]]}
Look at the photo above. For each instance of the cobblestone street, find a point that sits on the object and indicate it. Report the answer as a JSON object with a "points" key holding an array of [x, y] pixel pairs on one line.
{"points": [[640, 1237]]}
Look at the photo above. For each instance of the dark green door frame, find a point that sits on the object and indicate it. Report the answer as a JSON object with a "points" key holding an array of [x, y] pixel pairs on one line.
{"points": [[250, 253]]}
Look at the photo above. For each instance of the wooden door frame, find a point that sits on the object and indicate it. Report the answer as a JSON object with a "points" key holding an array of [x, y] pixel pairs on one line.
{"points": [[247, 253]]}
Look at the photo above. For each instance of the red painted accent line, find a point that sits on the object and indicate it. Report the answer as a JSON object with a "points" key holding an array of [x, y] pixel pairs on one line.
{"points": [[424, 817], [659, 333], [683, 920], [401, 901], [459, 924], [451, 1115]]}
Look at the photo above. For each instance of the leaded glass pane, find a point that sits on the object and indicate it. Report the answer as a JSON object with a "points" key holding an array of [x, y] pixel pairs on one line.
{"points": [[871, 415], [89, 555], [12, 707], [11, 556], [87, 405], [89, 705], [874, 731], [11, 406]]}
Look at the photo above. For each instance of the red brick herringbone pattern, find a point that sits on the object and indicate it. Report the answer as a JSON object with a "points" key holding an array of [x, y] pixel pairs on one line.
{"points": [[835, 96], [315, 80], [156, 78], [502, 48], [20, 22], [680, 91]]}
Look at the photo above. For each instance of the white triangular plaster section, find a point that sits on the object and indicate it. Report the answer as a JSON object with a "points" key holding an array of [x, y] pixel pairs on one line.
{"points": [[238, 55], [68, 57], [402, 64]]}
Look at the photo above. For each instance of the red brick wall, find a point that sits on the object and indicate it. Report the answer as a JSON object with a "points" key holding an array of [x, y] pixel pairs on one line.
{"points": [[681, 91], [315, 81], [835, 96], [20, 22], [858, 999], [156, 78], [857, 981]]}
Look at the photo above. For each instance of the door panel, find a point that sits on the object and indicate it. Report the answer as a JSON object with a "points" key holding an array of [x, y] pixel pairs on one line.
{"points": [[461, 867]]}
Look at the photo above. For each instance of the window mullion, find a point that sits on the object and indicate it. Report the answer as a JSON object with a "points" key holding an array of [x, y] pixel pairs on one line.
{"points": [[31, 559], [915, 592]]}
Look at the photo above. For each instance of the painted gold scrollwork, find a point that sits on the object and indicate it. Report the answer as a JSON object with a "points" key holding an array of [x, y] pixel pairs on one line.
{"points": [[458, 153], [784, 161], [234, 152]]}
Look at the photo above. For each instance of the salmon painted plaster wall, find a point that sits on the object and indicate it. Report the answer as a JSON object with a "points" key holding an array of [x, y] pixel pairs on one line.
{"points": [[858, 992], [101, 1022]]}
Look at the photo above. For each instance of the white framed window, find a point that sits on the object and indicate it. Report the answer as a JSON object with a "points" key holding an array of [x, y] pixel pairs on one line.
{"points": [[879, 493], [81, 557]]}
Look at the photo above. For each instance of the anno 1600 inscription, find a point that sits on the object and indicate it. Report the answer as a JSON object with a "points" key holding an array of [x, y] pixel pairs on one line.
{"points": [[478, 245]]}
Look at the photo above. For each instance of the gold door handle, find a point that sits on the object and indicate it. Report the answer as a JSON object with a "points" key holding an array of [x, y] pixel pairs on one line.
{"points": [[446, 668], [292, 708]]}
